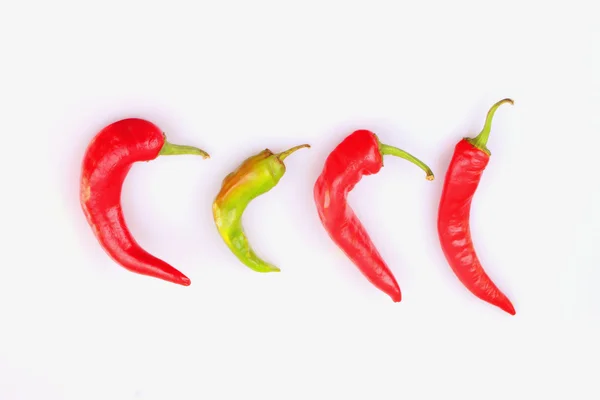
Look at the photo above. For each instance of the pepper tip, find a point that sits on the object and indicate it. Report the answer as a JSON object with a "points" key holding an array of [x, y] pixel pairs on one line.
{"points": [[184, 281], [509, 308]]}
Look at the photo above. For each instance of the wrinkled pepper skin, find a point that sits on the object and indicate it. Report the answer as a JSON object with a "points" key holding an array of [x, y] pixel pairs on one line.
{"points": [[106, 163], [359, 154], [469, 160], [255, 176]]}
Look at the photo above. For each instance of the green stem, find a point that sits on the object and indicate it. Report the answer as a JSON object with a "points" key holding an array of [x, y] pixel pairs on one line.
{"points": [[170, 149], [480, 141], [394, 151], [282, 156]]}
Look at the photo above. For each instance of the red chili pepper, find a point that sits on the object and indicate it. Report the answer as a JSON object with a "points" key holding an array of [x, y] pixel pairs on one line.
{"points": [[359, 154], [470, 158], [107, 160]]}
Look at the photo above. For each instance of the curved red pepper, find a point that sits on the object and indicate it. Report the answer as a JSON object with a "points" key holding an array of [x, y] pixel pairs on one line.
{"points": [[470, 158], [106, 162], [357, 155]]}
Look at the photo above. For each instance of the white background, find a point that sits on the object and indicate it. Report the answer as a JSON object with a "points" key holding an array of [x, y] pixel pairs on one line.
{"points": [[242, 76]]}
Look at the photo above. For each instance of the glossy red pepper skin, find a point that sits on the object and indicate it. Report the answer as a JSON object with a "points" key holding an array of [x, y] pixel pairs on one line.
{"points": [[356, 156], [359, 154], [107, 160], [461, 182]]}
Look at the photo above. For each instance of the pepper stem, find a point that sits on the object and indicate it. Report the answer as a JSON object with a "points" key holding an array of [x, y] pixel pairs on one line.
{"points": [[170, 149], [480, 141], [394, 151], [283, 155]]}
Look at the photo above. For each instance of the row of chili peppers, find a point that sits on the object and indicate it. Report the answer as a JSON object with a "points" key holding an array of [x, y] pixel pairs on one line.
{"points": [[111, 153]]}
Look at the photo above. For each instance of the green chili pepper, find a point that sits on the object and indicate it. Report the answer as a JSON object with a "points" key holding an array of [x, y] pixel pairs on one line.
{"points": [[255, 176]]}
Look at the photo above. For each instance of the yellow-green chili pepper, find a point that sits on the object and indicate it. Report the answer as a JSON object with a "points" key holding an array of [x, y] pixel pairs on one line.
{"points": [[255, 176]]}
